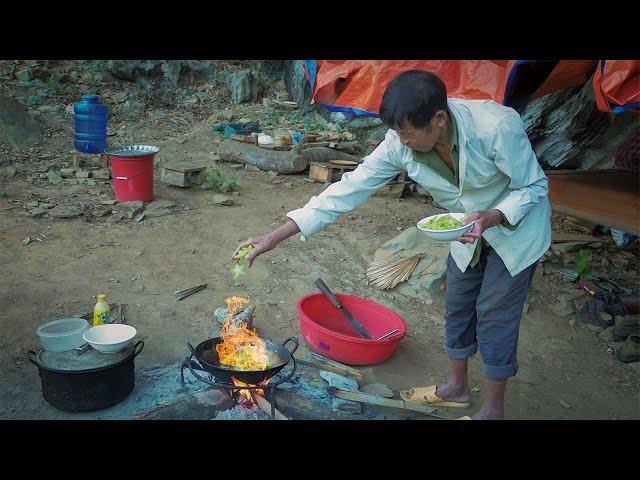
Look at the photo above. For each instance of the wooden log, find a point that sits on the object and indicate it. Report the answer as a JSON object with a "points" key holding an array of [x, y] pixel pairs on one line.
{"points": [[322, 154], [285, 162], [298, 407]]}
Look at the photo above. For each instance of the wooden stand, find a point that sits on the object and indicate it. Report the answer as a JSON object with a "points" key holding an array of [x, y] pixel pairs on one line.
{"points": [[182, 174], [327, 172]]}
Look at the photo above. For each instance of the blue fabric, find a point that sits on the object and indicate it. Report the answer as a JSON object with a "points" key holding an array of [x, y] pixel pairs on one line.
{"points": [[483, 311]]}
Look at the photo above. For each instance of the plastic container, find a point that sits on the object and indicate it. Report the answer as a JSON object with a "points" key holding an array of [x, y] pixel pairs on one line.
{"points": [[329, 334], [132, 172], [101, 311], [62, 335], [90, 125]]}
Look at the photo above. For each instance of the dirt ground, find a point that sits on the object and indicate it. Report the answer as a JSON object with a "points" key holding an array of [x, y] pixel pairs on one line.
{"points": [[565, 370]]}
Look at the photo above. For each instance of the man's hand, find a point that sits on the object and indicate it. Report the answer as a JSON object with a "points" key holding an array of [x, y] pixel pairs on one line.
{"points": [[484, 220], [269, 241], [261, 244]]}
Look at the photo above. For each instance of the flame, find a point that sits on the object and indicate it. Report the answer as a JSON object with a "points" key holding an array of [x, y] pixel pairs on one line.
{"points": [[247, 393], [241, 347]]}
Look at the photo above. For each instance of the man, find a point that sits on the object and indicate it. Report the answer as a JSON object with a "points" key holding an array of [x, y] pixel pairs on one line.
{"points": [[472, 156]]}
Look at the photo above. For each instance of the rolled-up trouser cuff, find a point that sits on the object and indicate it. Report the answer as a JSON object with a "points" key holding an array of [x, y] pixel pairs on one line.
{"points": [[500, 372], [461, 353]]}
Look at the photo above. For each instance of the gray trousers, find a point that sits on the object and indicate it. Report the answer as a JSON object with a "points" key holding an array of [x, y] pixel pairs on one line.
{"points": [[483, 309]]}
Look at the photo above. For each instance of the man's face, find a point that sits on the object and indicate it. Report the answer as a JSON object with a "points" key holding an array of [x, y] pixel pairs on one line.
{"points": [[423, 139]]}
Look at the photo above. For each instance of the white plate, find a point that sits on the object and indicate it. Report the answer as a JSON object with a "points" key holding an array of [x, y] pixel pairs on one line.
{"points": [[446, 235], [110, 338]]}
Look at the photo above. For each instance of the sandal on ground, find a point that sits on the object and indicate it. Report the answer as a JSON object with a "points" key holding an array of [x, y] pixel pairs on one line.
{"points": [[427, 396]]}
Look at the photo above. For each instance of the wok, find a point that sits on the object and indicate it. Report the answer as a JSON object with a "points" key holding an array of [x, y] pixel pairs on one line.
{"points": [[207, 356]]}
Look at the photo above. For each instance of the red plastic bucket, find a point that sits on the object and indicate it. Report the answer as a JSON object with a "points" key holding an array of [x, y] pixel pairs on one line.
{"points": [[132, 172], [329, 334]]}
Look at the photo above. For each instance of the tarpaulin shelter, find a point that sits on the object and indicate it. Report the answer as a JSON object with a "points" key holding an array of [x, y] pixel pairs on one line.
{"points": [[356, 87]]}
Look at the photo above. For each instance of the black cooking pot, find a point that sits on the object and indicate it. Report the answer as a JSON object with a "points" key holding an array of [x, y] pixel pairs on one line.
{"points": [[207, 357], [77, 385]]}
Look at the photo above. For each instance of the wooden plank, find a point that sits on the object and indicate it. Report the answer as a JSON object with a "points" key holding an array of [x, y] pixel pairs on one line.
{"points": [[265, 406], [575, 237], [383, 402], [322, 363], [608, 198]]}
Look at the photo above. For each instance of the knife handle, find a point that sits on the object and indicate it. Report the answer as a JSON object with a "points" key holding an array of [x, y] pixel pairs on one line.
{"points": [[328, 293]]}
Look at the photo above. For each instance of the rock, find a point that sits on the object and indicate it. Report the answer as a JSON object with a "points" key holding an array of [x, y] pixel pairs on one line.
{"points": [[54, 177], [8, 171], [82, 174], [33, 204], [427, 282], [245, 87], [17, 127], [173, 72], [66, 211], [235, 166], [338, 117], [102, 174], [251, 168], [101, 211], [37, 212], [605, 317], [107, 202], [47, 205], [475, 389], [379, 389], [525, 308], [130, 209], [564, 404], [223, 200], [561, 308], [273, 174], [160, 204], [67, 172], [69, 109], [220, 314], [605, 335], [340, 382]]}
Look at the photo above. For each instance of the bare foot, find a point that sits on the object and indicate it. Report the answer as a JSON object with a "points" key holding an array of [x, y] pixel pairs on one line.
{"points": [[486, 415], [453, 393]]}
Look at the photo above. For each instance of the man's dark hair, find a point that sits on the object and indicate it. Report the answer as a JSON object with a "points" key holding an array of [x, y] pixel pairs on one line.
{"points": [[413, 97]]}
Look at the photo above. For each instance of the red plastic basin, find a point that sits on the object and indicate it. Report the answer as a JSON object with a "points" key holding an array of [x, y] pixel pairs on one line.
{"points": [[329, 334]]}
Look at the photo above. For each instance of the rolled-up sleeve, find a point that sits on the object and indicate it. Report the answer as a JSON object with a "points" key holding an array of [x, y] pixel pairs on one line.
{"points": [[516, 159], [377, 169]]}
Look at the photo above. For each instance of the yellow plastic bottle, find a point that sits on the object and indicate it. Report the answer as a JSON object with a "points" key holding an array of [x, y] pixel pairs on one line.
{"points": [[101, 311]]}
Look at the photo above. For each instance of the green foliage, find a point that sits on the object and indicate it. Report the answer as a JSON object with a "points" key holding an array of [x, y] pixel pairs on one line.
{"points": [[581, 262], [217, 180], [3, 195], [239, 269]]}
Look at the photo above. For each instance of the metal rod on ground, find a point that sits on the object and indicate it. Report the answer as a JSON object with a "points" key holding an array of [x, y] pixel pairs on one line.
{"points": [[266, 407], [182, 294]]}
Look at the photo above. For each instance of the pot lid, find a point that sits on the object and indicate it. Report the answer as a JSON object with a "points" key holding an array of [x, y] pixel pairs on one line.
{"points": [[132, 151], [70, 361]]}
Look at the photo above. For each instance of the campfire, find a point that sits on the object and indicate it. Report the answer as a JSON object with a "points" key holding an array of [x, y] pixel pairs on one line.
{"points": [[241, 347]]}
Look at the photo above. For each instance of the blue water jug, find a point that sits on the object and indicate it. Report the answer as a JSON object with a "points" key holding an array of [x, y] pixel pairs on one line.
{"points": [[90, 129]]}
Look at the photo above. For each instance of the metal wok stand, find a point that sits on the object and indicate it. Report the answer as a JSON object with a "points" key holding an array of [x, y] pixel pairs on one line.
{"points": [[270, 388]]}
